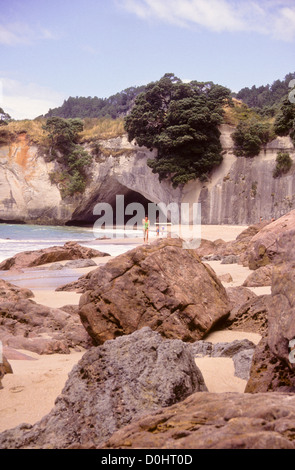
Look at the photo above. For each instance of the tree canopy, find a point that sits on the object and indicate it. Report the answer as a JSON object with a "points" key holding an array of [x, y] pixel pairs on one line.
{"points": [[181, 121], [267, 98], [115, 106], [251, 136], [63, 136], [285, 120]]}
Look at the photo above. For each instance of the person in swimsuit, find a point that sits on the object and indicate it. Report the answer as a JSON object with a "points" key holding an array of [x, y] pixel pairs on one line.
{"points": [[146, 224]]}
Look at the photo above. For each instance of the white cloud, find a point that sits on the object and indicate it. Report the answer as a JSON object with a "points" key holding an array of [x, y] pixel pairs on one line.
{"points": [[272, 17], [27, 100], [284, 24], [14, 34]]}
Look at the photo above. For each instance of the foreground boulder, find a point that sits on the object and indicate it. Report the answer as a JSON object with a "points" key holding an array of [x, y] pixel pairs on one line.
{"points": [[24, 324], [214, 421], [30, 259], [161, 285], [273, 366], [266, 246], [110, 386]]}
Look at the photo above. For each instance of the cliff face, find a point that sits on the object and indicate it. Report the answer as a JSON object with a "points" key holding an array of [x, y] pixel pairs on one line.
{"points": [[239, 191]]}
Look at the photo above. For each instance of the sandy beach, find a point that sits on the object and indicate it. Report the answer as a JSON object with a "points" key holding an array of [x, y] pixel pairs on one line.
{"points": [[29, 393]]}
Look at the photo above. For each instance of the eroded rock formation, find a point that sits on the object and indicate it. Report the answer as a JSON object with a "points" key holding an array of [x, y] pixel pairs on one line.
{"points": [[239, 191], [110, 386], [214, 421]]}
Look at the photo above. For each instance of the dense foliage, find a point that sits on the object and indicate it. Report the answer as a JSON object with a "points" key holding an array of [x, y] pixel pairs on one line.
{"points": [[267, 98], [283, 164], [251, 136], [181, 121], [64, 148], [285, 120], [115, 106]]}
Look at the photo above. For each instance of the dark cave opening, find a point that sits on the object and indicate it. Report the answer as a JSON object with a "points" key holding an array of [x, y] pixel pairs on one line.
{"points": [[123, 209]]}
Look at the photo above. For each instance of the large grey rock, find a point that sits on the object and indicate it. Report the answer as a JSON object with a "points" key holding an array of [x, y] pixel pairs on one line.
{"points": [[232, 348], [111, 386], [242, 363], [241, 352]]}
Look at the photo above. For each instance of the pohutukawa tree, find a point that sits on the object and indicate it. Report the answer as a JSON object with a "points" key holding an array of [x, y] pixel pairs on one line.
{"points": [[180, 120]]}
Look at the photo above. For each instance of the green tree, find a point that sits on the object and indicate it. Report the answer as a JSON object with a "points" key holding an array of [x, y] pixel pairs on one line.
{"points": [[63, 133], [251, 136], [63, 136], [285, 120], [283, 164], [4, 118], [181, 121], [268, 96]]}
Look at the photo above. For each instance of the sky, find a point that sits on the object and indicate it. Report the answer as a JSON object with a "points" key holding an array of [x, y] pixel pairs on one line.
{"points": [[53, 49]]}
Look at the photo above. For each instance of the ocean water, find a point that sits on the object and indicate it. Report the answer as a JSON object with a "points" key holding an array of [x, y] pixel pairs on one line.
{"points": [[16, 238]]}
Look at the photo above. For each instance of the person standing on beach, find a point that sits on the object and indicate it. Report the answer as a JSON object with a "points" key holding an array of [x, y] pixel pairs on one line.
{"points": [[146, 224]]}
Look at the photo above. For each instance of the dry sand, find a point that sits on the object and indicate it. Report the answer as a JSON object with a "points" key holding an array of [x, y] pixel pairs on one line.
{"points": [[29, 393]]}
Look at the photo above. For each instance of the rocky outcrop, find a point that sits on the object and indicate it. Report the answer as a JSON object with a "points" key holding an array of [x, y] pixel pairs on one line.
{"points": [[214, 421], [161, 285], [31, 259], [111, 386], [251, 316], [272, 243], [273, 365], [239, 191], [24, 324], [231, 251]]}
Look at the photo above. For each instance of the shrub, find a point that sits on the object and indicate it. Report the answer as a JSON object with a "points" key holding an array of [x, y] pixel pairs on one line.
{"points": [[250, 137], [63, 135], [284, 163]]}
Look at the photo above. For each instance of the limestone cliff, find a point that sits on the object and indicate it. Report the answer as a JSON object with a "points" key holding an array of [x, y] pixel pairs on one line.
{"points": [[239, 191]]}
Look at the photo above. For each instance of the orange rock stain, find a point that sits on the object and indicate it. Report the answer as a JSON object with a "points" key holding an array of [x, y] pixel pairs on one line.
{"points": [[19, 152]]}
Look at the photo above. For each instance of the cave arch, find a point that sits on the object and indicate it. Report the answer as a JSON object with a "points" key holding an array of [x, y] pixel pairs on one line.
{"points": [[83, 215]]}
